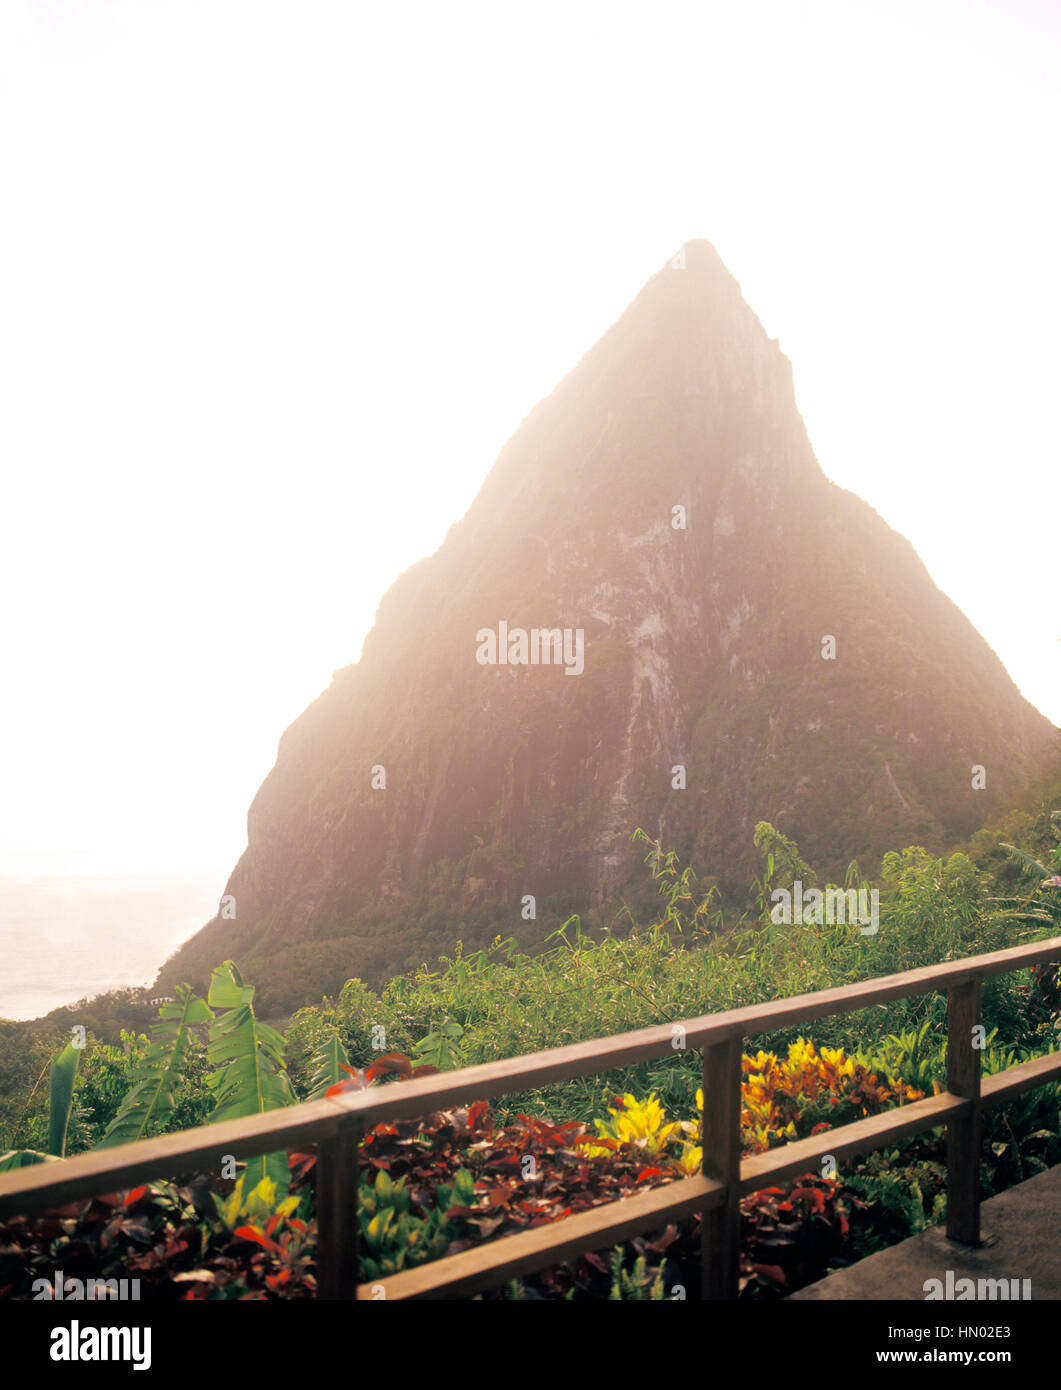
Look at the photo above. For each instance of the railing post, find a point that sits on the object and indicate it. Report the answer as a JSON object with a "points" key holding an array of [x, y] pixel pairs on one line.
{"points": [[720, 1136], [963, 1135], [337, 1218]]}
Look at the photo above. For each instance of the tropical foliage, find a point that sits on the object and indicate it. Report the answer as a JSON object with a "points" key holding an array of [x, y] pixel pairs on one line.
{"points": [[458, 1178], [248, 1057], [148, 1106]]}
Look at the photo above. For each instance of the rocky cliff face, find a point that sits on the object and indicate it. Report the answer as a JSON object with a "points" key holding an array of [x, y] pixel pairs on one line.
{"points": [[702, 648]]}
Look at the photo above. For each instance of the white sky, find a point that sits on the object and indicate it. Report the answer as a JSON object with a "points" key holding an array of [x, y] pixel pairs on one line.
{"points": [[277, 281]]}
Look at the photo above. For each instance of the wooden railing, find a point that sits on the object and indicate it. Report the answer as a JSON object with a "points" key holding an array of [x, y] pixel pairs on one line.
{"points": [[337, 1125]]}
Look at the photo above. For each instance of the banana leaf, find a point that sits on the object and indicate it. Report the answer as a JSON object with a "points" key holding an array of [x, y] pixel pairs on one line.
{"points": [[64, 1074], [23, 1158], [148, 1105], [1029, 861], [327, 1065], [249, 1075]]}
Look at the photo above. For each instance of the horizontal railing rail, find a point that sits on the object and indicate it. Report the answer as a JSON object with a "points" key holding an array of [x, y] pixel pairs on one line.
{"points": [[337, 1124]]}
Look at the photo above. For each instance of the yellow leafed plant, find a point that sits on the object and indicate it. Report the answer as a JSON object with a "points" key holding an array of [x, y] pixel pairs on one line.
{"points": [[774, 1096], [633, 1121], [256, 1206]]}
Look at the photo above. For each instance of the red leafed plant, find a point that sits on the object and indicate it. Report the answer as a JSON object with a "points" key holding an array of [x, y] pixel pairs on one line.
{"points": [[520, 1176], [389, 1064]]}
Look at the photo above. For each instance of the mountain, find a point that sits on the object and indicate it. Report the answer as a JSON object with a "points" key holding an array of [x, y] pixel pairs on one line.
{"points": [[704, 643]]}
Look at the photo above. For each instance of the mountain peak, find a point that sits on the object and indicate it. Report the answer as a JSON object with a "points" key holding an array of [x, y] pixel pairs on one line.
{"points": [[663, 509]]}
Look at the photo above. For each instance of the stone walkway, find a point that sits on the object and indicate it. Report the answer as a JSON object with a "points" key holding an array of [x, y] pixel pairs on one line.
{"points": [[1022, 1233]]}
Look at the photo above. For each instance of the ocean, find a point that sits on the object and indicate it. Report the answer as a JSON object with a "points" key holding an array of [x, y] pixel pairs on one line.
{"points": [[65, 939]]}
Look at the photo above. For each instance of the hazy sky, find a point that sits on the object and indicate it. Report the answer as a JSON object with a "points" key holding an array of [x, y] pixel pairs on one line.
{"points": [[277, 281]]}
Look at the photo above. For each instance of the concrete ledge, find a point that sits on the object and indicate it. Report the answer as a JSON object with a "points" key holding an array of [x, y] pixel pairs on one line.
{"points": [[1022, 1233]]}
